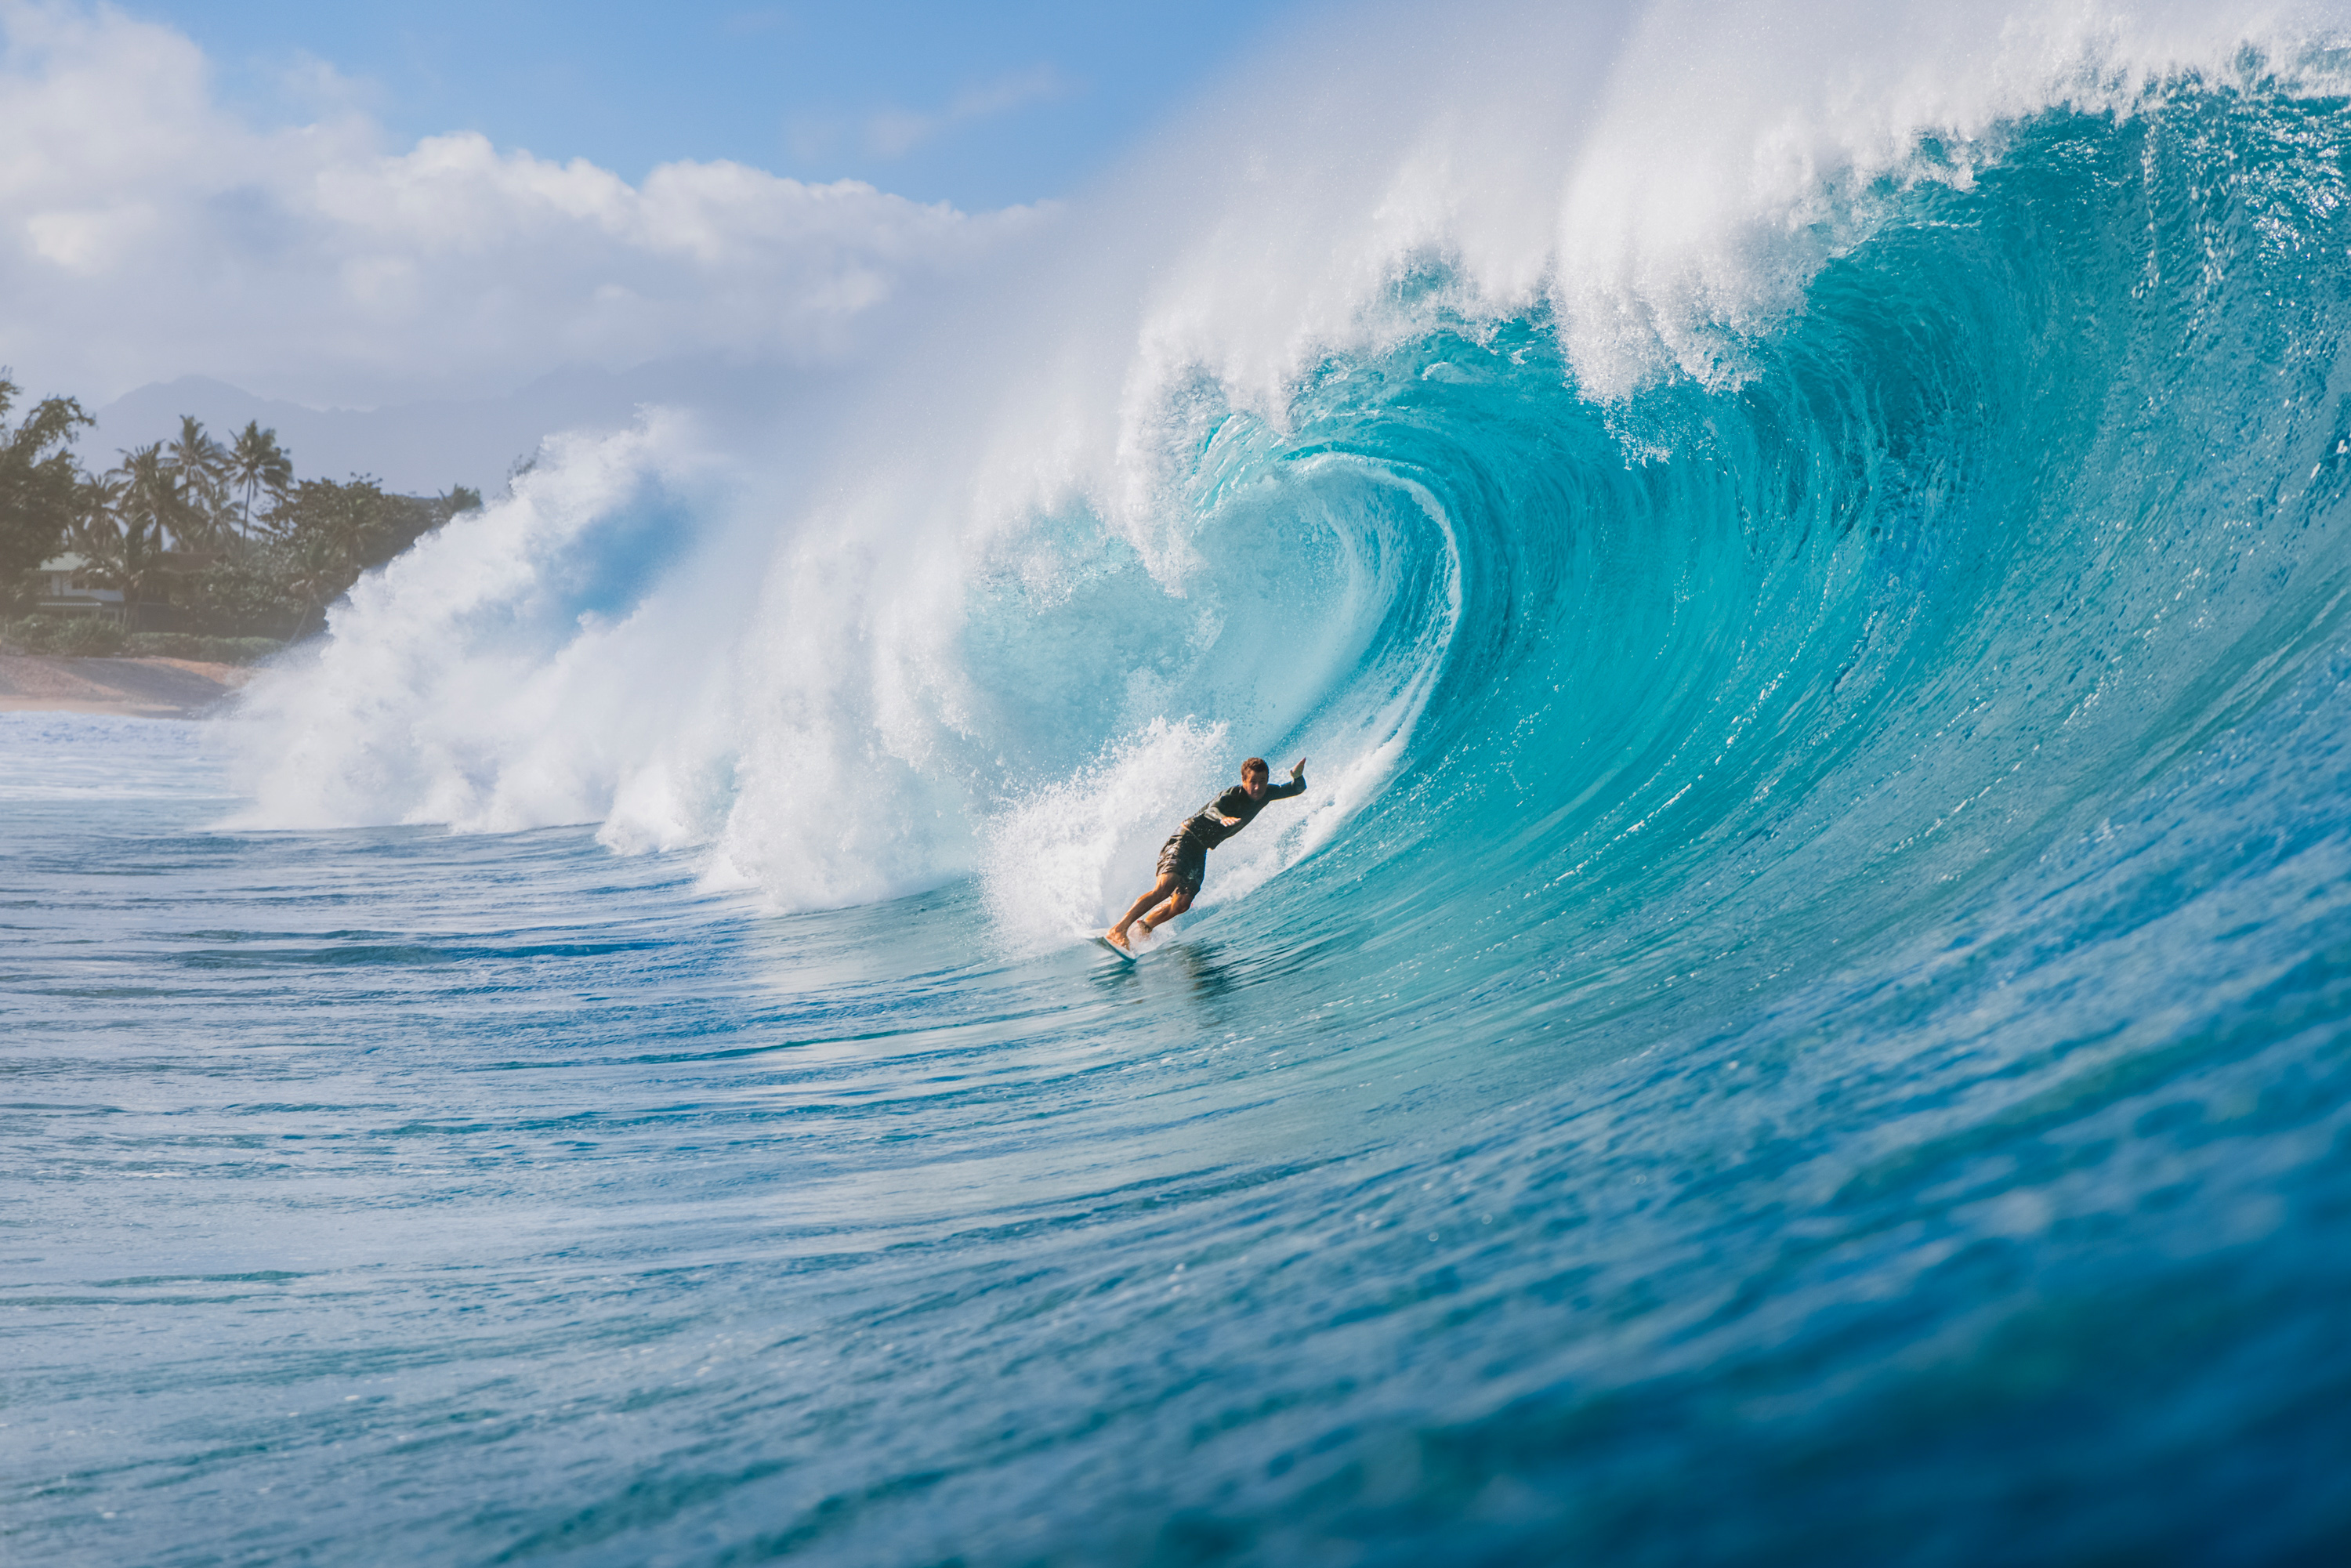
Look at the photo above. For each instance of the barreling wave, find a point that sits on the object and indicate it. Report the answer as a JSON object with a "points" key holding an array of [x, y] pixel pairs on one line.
{"points": [[1837, 496]]}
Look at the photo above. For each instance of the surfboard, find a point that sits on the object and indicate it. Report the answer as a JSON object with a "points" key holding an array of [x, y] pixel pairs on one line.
{"points": [[1113, 948]]}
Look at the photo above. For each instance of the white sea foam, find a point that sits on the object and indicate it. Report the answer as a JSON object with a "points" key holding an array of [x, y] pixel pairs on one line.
{"points": [[544, 661], [788, 655]]}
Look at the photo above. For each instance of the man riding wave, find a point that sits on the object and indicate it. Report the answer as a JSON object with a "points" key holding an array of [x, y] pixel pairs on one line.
{"points": [[1184, 858]]}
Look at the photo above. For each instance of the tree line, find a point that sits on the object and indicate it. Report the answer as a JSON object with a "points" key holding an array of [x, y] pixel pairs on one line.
{"points": [[197, 536]]}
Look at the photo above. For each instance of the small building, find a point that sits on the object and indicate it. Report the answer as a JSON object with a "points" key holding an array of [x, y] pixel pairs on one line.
{"points": [[62, 593]]}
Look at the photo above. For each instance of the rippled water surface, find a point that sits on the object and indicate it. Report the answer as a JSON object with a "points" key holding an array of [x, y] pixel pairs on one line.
{"points": [[392, 1197]]}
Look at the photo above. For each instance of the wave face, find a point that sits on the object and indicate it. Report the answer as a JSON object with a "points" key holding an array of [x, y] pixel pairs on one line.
{"points": [[1802, 1016]]}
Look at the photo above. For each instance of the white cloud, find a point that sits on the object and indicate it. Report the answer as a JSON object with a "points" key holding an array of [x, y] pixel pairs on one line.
{"points": [[148, 232]]}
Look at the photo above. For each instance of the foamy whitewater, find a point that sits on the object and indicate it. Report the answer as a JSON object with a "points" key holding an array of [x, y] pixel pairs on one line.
{"points": [[1802, 1018]]}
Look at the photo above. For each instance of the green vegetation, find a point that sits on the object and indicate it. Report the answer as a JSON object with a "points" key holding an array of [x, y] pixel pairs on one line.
{"points": [[84, 636], [93, 636], [40, 489], [213, 548]]}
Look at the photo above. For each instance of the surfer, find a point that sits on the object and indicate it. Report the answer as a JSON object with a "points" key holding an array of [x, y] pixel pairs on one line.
{"points": [[1184, 858]]}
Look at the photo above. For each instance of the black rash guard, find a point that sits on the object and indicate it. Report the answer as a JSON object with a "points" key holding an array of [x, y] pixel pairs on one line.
{"points": [[1235, 801]]}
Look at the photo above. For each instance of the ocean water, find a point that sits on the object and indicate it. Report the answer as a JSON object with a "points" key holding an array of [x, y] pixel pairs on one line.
{"points": [[1806, 1016]]}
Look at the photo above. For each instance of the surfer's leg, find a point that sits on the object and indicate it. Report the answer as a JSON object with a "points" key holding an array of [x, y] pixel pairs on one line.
{"points": [[1170, 910], [1182, 858], [1182, 864], [1117, 933]]}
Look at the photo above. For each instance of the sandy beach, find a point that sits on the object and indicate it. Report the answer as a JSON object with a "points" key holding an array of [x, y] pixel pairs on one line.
{"points": [[133, 688]]}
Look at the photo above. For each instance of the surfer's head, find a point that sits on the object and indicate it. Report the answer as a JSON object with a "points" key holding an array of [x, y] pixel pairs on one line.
{"points": [[1254, 773]]}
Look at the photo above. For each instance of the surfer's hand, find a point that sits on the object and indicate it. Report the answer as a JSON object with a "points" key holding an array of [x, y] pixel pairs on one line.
{"points": [[1297, 771]]}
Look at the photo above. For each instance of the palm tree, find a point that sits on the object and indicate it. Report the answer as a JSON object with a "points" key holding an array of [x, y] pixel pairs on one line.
{"points": [[201, 466], [38, 481], [258, 464], [129, 515], [93, 531]]}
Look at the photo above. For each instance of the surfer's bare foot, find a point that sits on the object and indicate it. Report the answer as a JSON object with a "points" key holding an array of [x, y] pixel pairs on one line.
{"points": [[1116, 938]]}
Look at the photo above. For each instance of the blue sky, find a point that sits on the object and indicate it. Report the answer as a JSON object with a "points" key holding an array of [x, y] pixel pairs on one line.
{"points": [[978, 105], [356, 207]]}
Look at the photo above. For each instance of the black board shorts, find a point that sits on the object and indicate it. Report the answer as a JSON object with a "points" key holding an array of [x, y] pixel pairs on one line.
{"points": [[1185, 858]]}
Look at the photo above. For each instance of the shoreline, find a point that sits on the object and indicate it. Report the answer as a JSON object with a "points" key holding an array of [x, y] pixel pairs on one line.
{"points": [[122, 688]]}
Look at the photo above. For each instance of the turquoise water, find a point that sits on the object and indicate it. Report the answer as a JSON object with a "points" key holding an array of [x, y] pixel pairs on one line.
{"points": [[1827, 1042]]}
